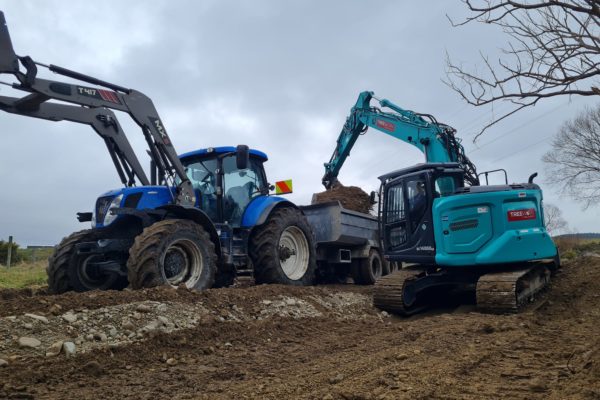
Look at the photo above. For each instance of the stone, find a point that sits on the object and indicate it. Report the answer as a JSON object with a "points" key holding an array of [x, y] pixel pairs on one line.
{"points": [[29, 342], [3, 363], [171, 361], [113, 332], [336, 379], [385, 314], [163, 320], [69, 349], [69, 317], [55, 309], [143, 308], [28, 326], [40, 318], [101, 336], [328, 396], [401, 357], [128, 325], [54, 349]]}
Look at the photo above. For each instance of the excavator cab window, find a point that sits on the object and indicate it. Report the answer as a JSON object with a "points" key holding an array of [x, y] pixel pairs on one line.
{"points": [[406, 217]]}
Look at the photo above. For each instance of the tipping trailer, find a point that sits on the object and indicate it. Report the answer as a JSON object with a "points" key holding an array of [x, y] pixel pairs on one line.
{"points": [[347, 244]]}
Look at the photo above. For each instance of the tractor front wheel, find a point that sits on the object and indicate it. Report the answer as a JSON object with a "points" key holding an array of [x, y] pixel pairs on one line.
{"points": [[282, 250], [172, 252], [69, 271]]}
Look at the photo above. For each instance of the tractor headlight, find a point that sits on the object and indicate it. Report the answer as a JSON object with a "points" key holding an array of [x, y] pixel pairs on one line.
{"points": [[110, 217]]}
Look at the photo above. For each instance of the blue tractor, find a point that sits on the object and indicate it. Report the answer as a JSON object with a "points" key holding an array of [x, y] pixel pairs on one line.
{"points": [[454, 233], [202, 217]]}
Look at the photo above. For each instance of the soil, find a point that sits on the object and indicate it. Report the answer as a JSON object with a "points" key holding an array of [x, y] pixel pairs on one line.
{"points": [[351, 197], [280, 342]]}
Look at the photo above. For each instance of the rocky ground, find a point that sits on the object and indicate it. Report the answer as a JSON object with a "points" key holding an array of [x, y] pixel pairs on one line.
{"points": [[277, 342]]}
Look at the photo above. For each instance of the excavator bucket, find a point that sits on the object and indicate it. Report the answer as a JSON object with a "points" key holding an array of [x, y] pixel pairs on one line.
{"points": [[9, 61]]}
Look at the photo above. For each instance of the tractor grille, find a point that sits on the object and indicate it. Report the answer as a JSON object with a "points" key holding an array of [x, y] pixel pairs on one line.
{"points": [[102, 207], [462, 225]]}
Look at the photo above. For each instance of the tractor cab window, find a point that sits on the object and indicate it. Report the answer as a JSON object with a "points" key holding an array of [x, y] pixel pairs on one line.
{"points": [[202, 174], [240, 187]]}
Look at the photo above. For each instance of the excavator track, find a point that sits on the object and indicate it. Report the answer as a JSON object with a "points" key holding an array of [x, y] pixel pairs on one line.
{"points": [[509, 291], [394, 293]]}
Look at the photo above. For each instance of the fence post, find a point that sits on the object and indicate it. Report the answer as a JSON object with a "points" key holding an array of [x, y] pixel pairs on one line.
{"points": [[9, 252]]}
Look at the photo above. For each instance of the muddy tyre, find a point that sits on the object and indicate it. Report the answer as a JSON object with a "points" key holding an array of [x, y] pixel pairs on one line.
{"points": [[68, 271], [172, 252], [367, 270], [282, 250]]}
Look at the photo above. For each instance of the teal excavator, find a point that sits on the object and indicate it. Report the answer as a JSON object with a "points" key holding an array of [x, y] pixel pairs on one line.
{"points": [[451, 232]]}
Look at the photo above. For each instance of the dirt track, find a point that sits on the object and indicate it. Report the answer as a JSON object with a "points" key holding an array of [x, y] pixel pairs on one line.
{"points": [[279, 342]]}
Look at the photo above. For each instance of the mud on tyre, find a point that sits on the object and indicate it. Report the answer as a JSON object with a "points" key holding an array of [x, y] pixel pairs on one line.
{"points": [[172, 252], [283, 250]]}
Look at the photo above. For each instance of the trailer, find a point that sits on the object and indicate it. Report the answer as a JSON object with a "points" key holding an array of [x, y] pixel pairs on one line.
{"points": [[347, 244]]}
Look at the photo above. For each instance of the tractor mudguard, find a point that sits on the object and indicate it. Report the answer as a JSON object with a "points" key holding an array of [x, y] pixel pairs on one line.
{"points": [[198, 216], [259, 209]]}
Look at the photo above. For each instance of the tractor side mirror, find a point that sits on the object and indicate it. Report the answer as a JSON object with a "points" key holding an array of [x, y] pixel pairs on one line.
{"points": [[242, 156]]}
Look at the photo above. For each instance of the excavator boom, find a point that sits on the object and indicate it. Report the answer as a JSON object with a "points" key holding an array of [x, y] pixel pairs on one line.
{"points": [[437, 141]]}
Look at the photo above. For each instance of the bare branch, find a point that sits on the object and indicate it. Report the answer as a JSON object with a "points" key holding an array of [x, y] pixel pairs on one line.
{"points": [[554, 51]]}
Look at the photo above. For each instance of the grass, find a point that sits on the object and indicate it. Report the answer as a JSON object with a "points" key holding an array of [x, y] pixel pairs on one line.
{"points": [[23, 275]]}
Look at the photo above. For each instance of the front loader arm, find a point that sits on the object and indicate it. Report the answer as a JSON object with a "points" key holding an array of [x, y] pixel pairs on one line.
{"points": [[93, 108]]}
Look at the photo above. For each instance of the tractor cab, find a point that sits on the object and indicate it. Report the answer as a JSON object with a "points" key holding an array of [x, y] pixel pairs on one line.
{"points": [[405, 212], [225, 180]]}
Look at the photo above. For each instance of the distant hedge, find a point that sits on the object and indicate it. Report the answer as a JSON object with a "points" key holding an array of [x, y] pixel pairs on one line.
{"points": [[15, 256]]}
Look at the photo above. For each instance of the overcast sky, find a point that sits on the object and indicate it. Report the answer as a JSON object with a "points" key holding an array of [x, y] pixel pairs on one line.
{"points": [[279, 76]]}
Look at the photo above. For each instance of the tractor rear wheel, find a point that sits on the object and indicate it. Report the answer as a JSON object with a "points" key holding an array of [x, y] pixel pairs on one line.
{"points": [[172, 252], [282, 250], [69, 271], [369, 269]]}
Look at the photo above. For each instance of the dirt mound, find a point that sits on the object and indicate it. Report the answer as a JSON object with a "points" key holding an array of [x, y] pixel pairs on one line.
{"points": [[351, 197], [273, 342]]}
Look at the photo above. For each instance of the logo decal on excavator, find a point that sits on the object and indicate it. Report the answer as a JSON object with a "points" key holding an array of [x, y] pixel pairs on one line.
{"points": [[388, 126], [161, 130], [100, 94]]}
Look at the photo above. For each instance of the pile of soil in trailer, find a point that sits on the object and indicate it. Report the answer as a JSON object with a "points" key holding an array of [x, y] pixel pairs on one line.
{"points": [[352, 197], [283, 342]]}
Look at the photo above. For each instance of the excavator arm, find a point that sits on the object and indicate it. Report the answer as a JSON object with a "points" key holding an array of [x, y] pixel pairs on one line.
{"points": [[437, 141], [94, 107]]}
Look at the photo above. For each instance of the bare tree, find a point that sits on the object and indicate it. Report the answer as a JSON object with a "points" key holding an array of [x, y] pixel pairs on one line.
{"points": [[574, 161], [554, 219], [553, 50]]}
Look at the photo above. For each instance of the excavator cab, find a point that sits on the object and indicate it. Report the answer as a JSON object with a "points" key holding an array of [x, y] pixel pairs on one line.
{"points": [[405, 216]]}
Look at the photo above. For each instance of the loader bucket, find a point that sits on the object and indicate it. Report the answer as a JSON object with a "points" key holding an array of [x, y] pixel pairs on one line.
{"points": [[8, 59]]}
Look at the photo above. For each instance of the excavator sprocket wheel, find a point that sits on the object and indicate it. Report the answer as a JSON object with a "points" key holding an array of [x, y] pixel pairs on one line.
{"points": [[395, 293], [509, 291]]}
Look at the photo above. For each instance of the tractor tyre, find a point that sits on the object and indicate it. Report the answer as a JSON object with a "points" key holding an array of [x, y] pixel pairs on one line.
{"points": [[282, 250], [367, 270], [68, 271], [172, 252]]}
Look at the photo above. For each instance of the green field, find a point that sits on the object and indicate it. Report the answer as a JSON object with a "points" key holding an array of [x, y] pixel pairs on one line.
{"points": [[23, 275]]}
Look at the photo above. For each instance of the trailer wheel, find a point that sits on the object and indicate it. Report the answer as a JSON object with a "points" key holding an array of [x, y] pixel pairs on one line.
{"points": [[68, 271], [367, 270], [283, 250], [172, 252]]}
